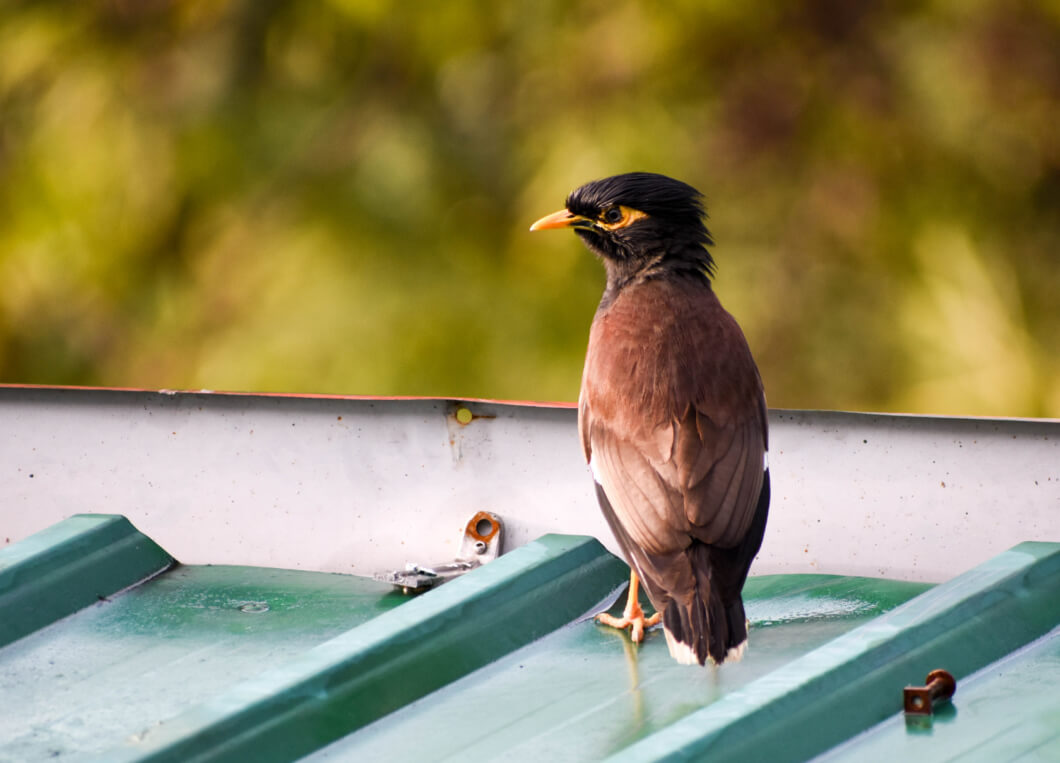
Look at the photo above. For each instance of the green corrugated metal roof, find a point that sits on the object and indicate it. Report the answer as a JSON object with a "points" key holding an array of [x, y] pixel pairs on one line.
{"points": [[68, 566], [115, 652], [583, 692], [1008, 710]]}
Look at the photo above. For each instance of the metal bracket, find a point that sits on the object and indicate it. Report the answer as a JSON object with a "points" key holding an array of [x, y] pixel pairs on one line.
{"points": [[481, 544]]}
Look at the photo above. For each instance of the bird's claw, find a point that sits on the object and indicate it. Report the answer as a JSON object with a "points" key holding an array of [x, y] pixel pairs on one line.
{"points": [[636, 622], [633, 615]]}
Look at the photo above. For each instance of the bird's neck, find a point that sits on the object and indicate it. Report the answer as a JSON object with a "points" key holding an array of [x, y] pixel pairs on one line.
{"points": [[694, 263]]}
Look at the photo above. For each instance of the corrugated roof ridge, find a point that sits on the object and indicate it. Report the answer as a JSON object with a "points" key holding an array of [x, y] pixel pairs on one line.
{"points": [[856, 680], [396, 658], [70, 565]]}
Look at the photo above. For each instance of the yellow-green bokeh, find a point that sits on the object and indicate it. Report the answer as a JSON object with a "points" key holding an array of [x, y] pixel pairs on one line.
{"points": [[334, 197]]}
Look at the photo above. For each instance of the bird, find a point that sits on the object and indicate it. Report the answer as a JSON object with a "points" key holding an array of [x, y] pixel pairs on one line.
{"points": [[671, 414]]}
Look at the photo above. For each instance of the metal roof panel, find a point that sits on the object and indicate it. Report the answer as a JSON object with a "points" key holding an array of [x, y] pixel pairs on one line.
{"points": [[851, 683], [1008, 710], [237, 663], [584, 691], [121, 667], [69, 565]]}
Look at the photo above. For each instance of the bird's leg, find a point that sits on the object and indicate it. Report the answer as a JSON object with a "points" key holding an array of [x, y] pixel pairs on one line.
{"points": [[633, 616]]}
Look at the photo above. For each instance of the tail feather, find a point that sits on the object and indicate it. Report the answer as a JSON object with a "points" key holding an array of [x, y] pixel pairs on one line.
{"points": [[698, 591], [704, 626]]}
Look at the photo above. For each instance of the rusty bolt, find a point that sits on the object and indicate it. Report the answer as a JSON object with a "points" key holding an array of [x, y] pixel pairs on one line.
{"points": [[939, 687]]}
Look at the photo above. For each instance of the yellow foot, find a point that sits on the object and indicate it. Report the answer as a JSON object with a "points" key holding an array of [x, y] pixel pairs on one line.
{"points": [[633, 616], [636, 623]]}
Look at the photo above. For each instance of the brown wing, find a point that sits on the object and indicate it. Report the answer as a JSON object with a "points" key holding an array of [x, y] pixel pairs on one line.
{"points": [[672, 420]]}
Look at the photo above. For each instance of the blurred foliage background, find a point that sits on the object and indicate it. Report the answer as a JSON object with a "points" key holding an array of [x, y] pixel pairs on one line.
{"points": [[334, 196]]}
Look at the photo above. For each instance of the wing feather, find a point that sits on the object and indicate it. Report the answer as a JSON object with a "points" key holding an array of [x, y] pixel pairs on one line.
{"points": [[643, 502], [681, 460]]}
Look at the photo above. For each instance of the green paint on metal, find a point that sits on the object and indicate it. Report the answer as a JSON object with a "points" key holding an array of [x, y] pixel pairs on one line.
{"points": [[1009, 710], [230, 663], [856, 681], [369, 671], [112, 670], [70, 565], [584, 691], [780, 599]]}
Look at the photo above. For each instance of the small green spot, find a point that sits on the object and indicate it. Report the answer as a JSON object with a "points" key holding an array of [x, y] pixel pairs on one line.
{"points": [[463, 415]]}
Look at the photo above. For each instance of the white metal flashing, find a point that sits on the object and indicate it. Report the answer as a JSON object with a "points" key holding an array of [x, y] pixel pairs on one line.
{"points": [[361, 485]]}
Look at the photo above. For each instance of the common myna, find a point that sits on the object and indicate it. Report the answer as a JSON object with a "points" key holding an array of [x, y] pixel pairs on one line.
{"points": [[672, 415]]}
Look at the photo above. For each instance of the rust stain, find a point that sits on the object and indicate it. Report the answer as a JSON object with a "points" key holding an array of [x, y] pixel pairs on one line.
{"points": [[472, 527]]}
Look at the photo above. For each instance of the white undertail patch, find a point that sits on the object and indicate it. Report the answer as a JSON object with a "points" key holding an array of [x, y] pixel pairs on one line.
{"points": [[735, 654], [685, 655], [681, 652]]}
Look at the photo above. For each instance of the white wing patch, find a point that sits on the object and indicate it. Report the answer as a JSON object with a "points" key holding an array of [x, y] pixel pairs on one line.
{"points": [[596, 472]]}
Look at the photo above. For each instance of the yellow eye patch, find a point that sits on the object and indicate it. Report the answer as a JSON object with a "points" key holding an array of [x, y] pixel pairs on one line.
{"points": [[619, 216]]}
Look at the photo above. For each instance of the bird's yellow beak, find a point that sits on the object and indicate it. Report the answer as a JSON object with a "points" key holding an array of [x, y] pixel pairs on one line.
{"points": [[561, 219]]}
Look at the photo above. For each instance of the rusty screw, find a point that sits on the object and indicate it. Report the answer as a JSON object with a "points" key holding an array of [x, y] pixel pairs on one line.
{"points": [[939, 687]]}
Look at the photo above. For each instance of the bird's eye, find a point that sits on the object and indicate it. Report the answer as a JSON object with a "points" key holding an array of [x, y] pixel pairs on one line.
{"points": [[613, 215]]}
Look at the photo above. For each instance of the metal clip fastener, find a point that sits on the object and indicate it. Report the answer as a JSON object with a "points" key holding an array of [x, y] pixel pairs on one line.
{"points": [[481, 544], [939, 687]]}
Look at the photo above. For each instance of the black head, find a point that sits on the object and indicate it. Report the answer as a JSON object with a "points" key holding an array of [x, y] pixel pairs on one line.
{"points": [[638, 221]]}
